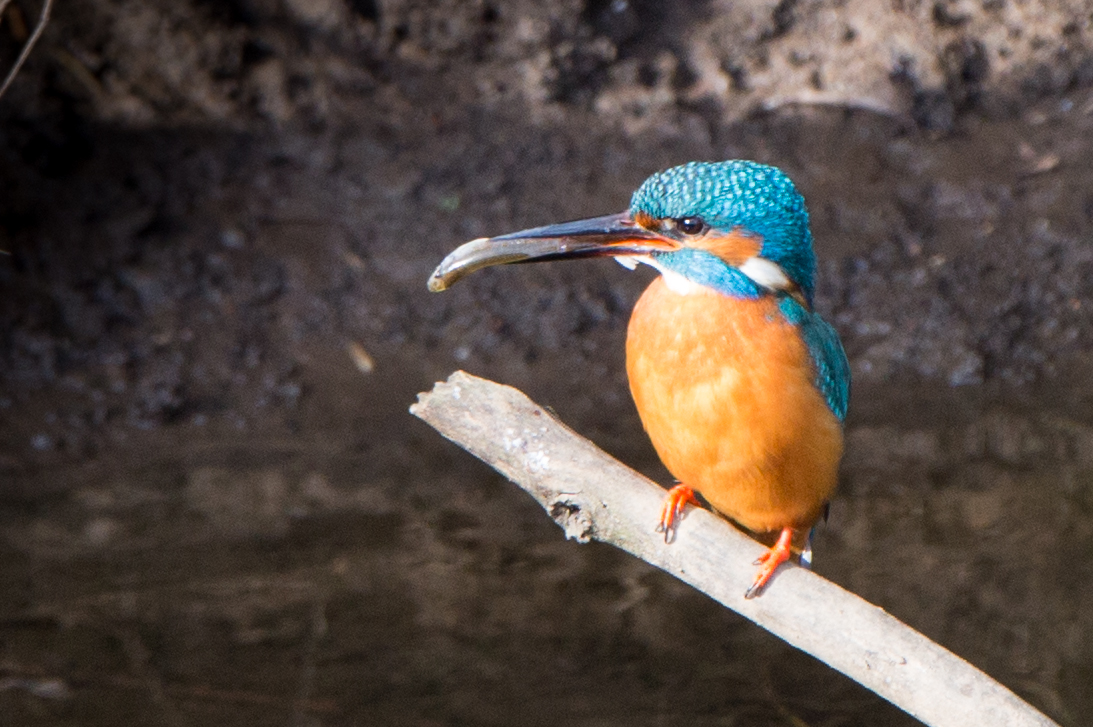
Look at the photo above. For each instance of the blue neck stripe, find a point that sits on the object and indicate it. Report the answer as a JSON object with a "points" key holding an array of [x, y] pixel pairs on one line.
{"points": [[705, 268]]}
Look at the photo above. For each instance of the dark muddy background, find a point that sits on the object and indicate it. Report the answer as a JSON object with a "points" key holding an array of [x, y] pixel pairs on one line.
{"points": [[217, 220]]}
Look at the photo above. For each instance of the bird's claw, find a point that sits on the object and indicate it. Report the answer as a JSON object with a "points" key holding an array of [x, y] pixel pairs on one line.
{"points": [[678, 497], [779, 553]]}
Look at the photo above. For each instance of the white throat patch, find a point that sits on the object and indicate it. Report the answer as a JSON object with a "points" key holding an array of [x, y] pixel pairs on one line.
{"points": [[675, 282]]}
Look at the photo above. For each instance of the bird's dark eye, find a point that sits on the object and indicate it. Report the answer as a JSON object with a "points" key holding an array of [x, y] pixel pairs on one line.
{"points": [[691, 225]]}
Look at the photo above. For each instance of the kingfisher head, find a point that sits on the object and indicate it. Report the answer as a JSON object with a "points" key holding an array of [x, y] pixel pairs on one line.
{"points": [[737, 227]]}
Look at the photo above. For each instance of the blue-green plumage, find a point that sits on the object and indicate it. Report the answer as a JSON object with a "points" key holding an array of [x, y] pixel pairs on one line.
{"points": [[705, 268], [832, 370]]}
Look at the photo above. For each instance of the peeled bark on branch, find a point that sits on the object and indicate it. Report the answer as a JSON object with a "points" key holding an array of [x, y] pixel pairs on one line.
{"points": [[594, 497]]}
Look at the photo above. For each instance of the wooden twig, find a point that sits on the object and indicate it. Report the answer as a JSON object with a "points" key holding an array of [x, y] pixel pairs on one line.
{"points": [[43, 18], [592, 496]]}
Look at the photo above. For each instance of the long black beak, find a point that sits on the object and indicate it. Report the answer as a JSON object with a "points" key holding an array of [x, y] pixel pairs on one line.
{"points": [[611, 235]]}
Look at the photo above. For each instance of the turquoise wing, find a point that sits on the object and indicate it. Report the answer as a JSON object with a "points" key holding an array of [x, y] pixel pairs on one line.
{"points": [[828, 357]]}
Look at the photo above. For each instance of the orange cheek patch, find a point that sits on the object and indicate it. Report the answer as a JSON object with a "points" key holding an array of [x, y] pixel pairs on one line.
{"points": [[646, 220], [733, 247]]}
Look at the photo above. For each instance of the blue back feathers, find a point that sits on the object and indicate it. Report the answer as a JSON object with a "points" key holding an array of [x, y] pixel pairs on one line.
{"points": [[759, 200], [756, 198], [831, 369]]}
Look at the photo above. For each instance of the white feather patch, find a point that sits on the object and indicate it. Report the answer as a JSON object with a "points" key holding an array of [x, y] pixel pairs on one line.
{"points": [[675, 282], [679, 284], [766, 274]]}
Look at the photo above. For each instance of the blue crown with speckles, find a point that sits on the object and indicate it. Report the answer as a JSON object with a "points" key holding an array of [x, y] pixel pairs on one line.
{"points": [[756, 198]]}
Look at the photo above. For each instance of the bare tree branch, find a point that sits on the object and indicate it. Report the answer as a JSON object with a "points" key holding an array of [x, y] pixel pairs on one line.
{"points": [[43, 19], [592, 496]]}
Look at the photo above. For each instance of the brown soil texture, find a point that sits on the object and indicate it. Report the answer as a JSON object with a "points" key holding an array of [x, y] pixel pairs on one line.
{"points": [[217, 219]]}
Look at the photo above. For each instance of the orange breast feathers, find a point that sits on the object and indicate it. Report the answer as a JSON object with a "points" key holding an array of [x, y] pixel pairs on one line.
{"points": [[724, 389]]}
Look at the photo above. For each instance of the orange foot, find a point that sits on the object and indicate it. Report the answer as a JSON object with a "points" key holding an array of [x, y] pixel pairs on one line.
{"points": [[678, 496], [770, 561]]}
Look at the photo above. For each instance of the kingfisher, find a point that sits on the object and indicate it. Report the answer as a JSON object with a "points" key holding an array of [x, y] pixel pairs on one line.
{"points": [[741, 386]]}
